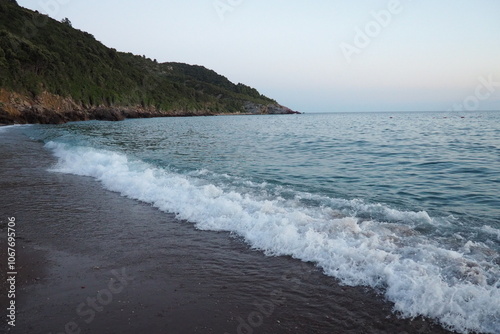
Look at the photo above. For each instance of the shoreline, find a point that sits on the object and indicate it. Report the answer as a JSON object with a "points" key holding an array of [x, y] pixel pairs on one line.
{"points": [[112, 114], [77, 242], [49, 108]]}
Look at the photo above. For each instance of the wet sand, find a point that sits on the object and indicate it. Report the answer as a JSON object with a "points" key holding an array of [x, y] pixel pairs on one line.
{"points": [[91, 261]]}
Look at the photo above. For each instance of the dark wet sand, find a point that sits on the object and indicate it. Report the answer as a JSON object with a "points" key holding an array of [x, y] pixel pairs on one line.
{"points": [[77, 244]]}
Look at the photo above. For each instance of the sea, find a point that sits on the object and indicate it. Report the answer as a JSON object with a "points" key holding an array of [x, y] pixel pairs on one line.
{"points": [[406, 204]]}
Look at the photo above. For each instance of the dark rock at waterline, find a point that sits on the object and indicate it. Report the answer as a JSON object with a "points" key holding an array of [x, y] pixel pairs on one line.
{"points": [[40, 115], [273, 109]]}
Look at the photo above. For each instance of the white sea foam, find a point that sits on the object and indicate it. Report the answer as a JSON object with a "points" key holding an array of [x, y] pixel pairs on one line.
{"points": [[5, 128], [358, 243], [492, 231]]}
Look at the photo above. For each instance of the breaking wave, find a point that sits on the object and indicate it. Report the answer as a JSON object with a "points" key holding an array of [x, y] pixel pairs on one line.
{"points": [[456, 282]]}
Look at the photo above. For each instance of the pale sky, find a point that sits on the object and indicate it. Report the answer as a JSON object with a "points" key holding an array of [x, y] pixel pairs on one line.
{"points": [[316, 56]]}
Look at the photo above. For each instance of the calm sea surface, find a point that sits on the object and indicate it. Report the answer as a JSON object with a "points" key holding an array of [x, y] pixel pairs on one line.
{"points": [[405, 203]]}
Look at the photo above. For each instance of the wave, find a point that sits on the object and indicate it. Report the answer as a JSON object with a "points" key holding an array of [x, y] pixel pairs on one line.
{"points": [[5, 128], [490, 230], [358, 243]]}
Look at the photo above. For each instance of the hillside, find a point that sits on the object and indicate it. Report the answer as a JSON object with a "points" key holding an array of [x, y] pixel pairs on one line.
{"points": [[53, 73]]}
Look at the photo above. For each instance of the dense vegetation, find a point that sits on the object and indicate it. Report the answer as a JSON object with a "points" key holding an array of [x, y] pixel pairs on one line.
{"points": [[40, 54]]}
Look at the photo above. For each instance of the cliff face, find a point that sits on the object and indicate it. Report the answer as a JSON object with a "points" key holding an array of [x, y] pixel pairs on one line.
{"points": [[56, 73], [47, 108]]}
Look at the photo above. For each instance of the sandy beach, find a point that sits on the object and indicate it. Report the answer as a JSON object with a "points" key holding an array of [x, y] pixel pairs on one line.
{"points": [[91, 261]]}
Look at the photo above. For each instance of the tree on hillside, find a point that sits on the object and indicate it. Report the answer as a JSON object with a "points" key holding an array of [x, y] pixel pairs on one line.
{"points": [[66, 21]]}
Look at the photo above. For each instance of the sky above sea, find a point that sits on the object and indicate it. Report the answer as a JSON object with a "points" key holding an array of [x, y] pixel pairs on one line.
{"points": [[321, 56]]}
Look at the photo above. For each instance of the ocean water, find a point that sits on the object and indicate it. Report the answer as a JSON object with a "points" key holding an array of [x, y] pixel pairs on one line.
{"points": [[405, 203]]}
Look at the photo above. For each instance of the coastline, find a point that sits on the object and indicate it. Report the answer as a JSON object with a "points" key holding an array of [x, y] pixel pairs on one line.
{"points": [[33, 116], [76, 240], [48, 108]]}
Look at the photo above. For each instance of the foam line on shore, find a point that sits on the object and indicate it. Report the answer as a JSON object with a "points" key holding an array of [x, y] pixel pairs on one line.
{"points": [[358, 243]]}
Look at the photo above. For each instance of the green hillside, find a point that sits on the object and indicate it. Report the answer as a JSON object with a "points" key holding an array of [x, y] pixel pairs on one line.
{"points": [[39, 54]]}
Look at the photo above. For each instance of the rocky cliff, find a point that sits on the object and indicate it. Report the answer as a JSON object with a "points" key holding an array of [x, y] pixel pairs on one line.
{"points": [[48, 108]]}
